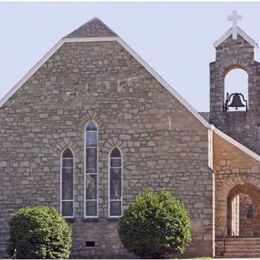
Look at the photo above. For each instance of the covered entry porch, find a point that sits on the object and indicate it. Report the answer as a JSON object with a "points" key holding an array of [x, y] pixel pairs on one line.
{"points": [[237, 199], [238, 233], [243, 211]]}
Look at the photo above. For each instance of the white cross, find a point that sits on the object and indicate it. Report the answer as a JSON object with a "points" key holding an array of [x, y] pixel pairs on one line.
{"points": [[234, 18]]}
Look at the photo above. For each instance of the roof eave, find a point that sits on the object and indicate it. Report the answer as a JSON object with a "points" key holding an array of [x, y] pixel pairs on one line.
{"points": [[232, 141]]}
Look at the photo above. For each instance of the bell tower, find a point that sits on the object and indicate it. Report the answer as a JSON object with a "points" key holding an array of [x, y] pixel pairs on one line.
{"points": [[236, 113]]}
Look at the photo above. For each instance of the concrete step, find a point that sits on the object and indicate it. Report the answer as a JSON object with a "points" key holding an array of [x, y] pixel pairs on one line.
{"points": [[228, 249], [239, 255], [238, 247], [240, 250]]}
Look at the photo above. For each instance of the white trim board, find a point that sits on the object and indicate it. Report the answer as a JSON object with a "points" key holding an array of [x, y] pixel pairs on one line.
{"points": [[240, 32], [236, 143], [128, 49]]}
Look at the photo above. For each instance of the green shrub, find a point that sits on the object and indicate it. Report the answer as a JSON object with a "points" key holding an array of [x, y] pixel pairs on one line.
{"points": [[154, 225], [39, 232]]}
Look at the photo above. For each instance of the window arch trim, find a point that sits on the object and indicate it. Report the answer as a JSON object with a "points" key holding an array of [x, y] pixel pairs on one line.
{"points": [[61, 180], [109, 185], [85, 170]]}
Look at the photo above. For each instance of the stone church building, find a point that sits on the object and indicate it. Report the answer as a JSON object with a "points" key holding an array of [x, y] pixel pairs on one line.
{"points": [[91, 125]]}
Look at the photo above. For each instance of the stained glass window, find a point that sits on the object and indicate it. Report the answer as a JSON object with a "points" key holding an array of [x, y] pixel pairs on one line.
{"points": [[67, 183], [115, 183], [91, 162]]}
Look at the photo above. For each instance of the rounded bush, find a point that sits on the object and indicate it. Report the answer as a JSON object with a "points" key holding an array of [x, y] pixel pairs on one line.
{"points": [[39, 232], [154, 225]]}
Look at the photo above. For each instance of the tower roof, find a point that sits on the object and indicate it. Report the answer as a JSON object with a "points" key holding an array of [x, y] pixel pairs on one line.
{"points": [[230, 32], [235, 31], [93, 28]]}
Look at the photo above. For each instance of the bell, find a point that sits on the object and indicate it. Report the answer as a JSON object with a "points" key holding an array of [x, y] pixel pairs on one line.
{"points": [[236, 101]]}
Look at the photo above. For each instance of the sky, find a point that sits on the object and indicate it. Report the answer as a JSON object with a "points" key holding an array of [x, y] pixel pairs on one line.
{"points": [[175, 38]]}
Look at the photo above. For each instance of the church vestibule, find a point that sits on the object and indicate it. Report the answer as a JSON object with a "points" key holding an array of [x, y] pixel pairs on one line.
{"points": [[234, 109]]}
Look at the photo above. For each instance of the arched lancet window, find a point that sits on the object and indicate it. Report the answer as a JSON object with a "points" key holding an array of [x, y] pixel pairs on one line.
{"points": [[236, 81], [115, 190], [91, 170], [67, 168]]}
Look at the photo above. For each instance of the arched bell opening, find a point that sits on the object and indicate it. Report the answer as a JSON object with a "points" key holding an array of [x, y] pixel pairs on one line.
{"points": [[236, 89], [243, 218]]}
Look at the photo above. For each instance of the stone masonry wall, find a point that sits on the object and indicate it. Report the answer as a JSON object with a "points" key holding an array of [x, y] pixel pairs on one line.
{"points": [[235, 173], [242, 126], [163, 145]]}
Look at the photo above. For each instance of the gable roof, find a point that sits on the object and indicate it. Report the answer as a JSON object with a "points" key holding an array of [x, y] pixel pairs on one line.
{"points": [[111, 36], [93, 28], [93, 31], [240, 32], [236, 143]]}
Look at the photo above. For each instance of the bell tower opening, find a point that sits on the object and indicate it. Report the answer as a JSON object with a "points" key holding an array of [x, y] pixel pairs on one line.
{"points": [[236, 90]]}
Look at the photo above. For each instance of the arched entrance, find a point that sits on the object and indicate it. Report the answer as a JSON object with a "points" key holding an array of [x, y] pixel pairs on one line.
{"points": [[243, 211]]}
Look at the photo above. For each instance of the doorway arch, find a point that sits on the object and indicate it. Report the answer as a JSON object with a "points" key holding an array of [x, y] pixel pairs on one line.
{"points": [[243, 218]]}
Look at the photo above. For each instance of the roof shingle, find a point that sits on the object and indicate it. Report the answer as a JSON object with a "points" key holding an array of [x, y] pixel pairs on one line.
{"points": [[93, 28]]}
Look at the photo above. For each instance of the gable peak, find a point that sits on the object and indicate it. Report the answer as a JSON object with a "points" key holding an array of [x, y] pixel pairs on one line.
{"points": [[93, 28], [239, 32], [234, 31]]}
